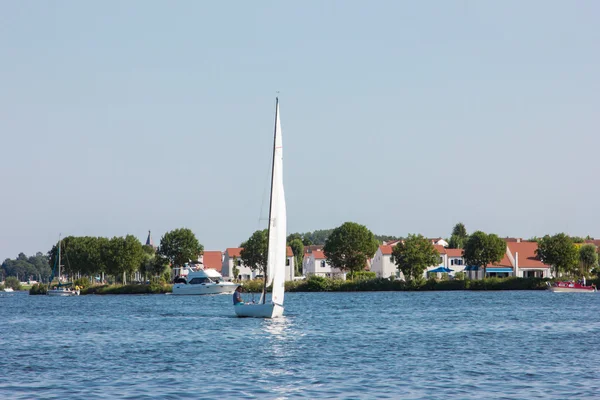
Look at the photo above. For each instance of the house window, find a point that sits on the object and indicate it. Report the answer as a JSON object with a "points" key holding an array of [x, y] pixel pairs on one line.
{"points": [[287, 261], [239, 262], [323, 263], [441, 260]]}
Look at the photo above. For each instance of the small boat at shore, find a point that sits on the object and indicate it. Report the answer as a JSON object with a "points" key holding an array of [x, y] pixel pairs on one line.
{"points": [[571, 287], [62, 289], [8, 290]]}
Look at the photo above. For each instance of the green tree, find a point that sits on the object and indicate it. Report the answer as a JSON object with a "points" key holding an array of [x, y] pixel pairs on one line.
{"points": [[298, 250], [124, 256], [349, 246], [180, 246], [459, 230], [318, 237], [147, 265], [459, 237], [588, 258], [560, 252], [235, 269], [482, 249], [254, 254], [385, 238], [293, 236], [414, 255], [577, 239], [159, 267], [254, 251], [12, 282]]}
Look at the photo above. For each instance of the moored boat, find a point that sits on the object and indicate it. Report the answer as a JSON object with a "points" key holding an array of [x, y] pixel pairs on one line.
{"points": [[572, 287], [202, 281], [62, 289], [8, 290]]}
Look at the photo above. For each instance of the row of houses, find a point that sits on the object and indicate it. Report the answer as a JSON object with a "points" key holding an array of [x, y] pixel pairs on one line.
{"points": [[519, 260]]}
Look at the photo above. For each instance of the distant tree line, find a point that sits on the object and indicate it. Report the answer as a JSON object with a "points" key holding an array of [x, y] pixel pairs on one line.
{"points": [[27, 268], [119, 257]]}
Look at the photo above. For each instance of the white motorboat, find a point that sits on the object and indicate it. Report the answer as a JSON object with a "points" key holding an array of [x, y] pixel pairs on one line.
{"points": [[277, 247], [63, 291], [8, 290], [203, 281]]}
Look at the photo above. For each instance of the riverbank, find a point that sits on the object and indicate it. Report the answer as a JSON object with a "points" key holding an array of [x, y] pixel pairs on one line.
{"points": [[321, 284]]}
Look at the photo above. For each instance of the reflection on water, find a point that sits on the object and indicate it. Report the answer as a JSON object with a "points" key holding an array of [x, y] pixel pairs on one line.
{"points": [[467, 345]]}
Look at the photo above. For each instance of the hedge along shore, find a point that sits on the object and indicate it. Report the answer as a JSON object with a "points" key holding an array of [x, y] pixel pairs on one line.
{"points": [[321, 284]]}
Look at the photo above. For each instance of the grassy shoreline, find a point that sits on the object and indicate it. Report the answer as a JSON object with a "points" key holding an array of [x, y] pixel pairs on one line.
{"points": [[320, 284]]}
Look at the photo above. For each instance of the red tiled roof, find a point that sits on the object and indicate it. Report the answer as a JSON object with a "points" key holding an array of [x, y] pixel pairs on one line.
{"points": [[454, 252], [505, 263], [441, 249], [318, 254], [312, 247], [233, 251], [212, 259], [289, 253], [386, 250], [392, 243], [527, 256]]}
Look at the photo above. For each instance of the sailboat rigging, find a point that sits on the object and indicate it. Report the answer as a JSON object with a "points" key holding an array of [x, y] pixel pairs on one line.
{"points": [[60, 289], [276, 245]]}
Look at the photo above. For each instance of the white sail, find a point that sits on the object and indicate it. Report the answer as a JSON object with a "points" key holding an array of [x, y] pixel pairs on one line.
{"points": [[277, 253], [278, 222]]}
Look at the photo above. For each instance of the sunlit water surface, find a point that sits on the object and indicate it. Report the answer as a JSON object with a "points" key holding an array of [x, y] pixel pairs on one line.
{"points": [[463, 345]]}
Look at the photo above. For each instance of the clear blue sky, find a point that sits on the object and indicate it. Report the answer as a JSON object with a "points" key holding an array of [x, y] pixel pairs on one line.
{"points": [[119, 117]]}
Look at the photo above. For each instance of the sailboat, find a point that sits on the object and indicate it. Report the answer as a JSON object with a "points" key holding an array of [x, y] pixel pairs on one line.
{"points": [[276, 250], [63, 289]]}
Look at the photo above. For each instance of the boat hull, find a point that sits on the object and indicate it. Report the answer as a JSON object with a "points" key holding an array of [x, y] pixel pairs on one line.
{"points": [[63, 293], [571, 290], [269, 310], [570, 287], [202, 288]]}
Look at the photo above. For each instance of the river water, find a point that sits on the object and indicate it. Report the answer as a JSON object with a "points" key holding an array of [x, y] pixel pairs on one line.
{"points": [[433, 345]]}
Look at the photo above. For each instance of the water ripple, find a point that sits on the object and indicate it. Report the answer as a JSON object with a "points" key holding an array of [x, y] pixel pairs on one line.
{"points": [[464, 345]]}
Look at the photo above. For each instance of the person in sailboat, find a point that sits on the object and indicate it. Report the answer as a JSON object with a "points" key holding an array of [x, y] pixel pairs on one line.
{"points": [[237, 296]]}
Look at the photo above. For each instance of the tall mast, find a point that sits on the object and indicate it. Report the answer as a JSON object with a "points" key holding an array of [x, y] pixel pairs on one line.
{"points": [[264, 293], [59, 243]]}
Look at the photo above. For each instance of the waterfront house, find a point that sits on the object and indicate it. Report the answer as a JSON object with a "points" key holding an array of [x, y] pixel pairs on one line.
{"points": [[212, 259], [315, 263], [382, 263], [290, 264], [455, 260], [525, 261], [520, 260], [232, 256]]}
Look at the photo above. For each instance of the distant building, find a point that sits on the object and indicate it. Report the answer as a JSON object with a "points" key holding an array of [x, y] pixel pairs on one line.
{"points": [[520, 260], [149, 241], [212, 259], [232, 256], [382, 263], [315, 263]]}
